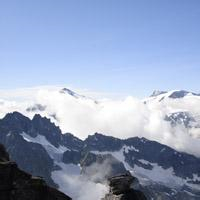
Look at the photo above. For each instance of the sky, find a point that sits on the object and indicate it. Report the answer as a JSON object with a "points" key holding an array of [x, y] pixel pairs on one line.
{"points": [[113, 46]]}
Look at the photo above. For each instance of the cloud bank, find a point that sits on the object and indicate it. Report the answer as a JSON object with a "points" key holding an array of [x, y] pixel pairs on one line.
{"points": [[120, 118]]}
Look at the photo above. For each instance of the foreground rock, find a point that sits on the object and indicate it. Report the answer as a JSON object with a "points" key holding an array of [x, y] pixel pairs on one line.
{"points": [[16, 184], [120, 189]]}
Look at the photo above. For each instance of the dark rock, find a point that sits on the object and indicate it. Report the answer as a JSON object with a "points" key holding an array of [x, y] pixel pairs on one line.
{"points": [[45, 127], [120, 184], [100, 142], [16, 184], [101, 167], [71, 93], [120, 189], [68, 91], [35, 108], [72, 157], [15, 122], [31, 157], [34, 159], [4, 156], [183, 164], [157, 92], [158, 191], [181, 94], [181, 118], [72, 142]]}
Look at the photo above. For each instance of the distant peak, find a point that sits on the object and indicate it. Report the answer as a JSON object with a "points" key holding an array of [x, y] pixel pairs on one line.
{"points": [[16, 116], [76, 95], [38, 117], [157, 92], [66, 90], [181, 93], [174, 94], [70, 92]]}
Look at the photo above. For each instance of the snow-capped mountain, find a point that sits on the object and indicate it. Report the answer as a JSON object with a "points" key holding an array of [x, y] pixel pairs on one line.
{"points": [[175, 94], [72, 93], [75, 95], [168, 97], [179, 107], [171, 118], [74, 165]]}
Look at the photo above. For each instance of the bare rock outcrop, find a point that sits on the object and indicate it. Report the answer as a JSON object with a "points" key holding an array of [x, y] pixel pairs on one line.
{"points": [[16, 184], [120, 189]]}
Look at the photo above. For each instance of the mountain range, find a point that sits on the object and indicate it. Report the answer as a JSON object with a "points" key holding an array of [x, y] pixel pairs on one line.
{"points": [[73, 165], [83, 115]]}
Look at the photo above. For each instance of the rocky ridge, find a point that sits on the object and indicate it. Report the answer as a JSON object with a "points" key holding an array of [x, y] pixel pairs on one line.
{"points": [[16, 184], [40, 149]]}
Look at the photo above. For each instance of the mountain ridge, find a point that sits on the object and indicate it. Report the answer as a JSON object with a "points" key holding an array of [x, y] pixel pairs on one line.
{"points": [[44, 144], [19, 185]]}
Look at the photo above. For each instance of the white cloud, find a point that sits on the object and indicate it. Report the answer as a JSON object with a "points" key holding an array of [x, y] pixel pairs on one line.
{"points": [[120, 118], [76, 186]]}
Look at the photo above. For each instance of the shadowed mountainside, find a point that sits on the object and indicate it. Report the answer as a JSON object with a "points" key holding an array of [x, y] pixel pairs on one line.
{"points": [[19, 185]]}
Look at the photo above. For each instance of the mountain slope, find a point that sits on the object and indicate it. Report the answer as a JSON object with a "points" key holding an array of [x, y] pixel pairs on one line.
{"points": [[19, 185], [171, 118], [39, 147]]}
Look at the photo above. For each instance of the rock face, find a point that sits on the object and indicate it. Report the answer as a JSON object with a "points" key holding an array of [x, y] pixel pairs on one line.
{"points": [[3, 154], [101, 167], [181, 94], [16, 184], [120, 189], [157, 92], [181, 118], [38, 146]]}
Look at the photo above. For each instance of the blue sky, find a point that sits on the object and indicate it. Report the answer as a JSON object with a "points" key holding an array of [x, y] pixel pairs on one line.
{"points": [[129, 47]]}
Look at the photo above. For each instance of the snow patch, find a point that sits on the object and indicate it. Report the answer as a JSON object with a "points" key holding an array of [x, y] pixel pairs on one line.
{"points": [[54, 153], [159, 175], [128, 148], [156, 174], [145, 162]]}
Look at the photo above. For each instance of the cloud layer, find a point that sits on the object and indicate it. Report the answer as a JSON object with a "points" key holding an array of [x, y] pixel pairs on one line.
{"points": [[120, 118]]}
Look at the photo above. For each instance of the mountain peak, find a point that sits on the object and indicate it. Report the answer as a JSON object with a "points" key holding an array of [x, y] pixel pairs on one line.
{"points": [[15, 115], [71, 93], [66, 90], [157, 92], [181, 93], [174, 94], [76, 95]]}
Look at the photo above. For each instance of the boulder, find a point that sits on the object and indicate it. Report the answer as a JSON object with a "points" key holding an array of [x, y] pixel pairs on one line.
{"points": [[120, 188]]}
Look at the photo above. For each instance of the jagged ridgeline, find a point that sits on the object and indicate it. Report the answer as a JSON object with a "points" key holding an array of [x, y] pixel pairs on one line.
{"points": [[39, 148]]}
